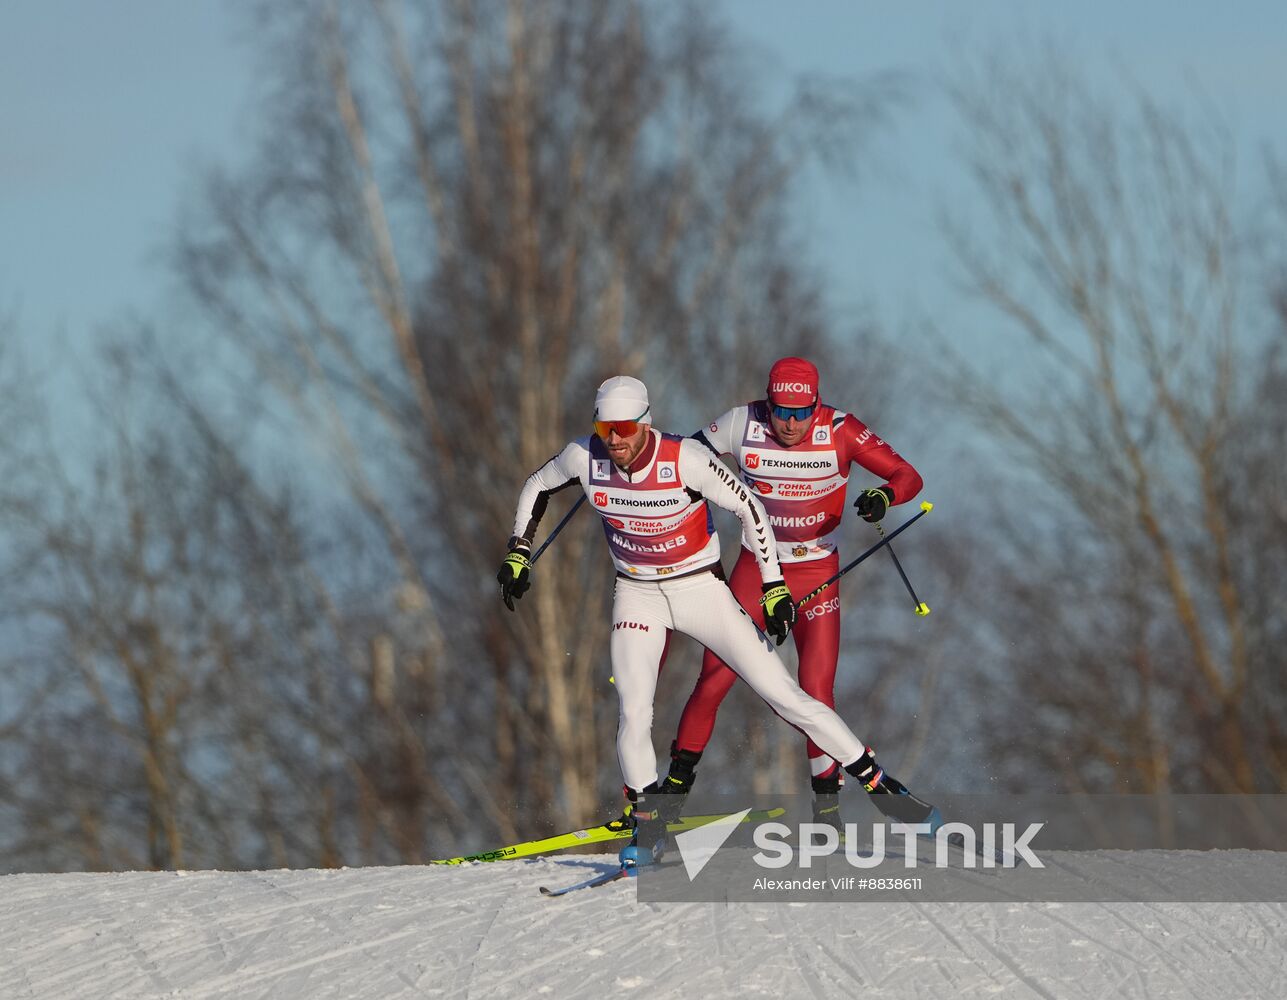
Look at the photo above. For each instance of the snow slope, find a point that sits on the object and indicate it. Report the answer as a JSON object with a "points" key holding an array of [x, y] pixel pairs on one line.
{"points": [[485, 931]]}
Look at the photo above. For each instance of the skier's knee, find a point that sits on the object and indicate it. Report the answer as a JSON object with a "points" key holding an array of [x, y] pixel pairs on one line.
{"points": [[636, 720]]}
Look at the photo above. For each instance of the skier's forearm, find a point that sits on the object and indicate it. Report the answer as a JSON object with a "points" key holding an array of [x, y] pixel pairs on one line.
{"points": [[757, 531], [532, 500]]}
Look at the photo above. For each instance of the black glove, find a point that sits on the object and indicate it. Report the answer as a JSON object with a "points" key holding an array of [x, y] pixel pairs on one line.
{"points": [[871, 505], [779, 610], [515, 576]]}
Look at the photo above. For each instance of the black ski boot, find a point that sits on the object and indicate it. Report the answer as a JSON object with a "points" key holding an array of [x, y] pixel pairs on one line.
{"points": [[683, 770], [826, 803], [653, 811], [626, 821], [660, 805], [890, 796], [683, 765]]}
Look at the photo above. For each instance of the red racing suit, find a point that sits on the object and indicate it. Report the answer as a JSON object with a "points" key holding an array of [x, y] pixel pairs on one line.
{"points": [[803, 490]]}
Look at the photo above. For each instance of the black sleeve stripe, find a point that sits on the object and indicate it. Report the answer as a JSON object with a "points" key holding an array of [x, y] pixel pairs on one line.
{"points": [[538, 508], [701, 437], [538, 512]]}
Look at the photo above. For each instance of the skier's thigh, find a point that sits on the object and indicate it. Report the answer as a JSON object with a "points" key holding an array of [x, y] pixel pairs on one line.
{"points": [[639, 633]]}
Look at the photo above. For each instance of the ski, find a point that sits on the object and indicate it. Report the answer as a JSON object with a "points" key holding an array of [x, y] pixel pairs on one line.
{"points": [[612, 830], [603, 878], [617, 829]]}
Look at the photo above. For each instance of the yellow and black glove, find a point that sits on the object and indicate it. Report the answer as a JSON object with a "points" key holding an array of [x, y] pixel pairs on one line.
{"points": [[779, 610], [515, 576], [872, 505]]}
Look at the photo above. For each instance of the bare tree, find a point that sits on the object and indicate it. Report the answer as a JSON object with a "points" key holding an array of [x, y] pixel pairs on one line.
{"points": [[1127, 370], [147, 590], [464, 215]]}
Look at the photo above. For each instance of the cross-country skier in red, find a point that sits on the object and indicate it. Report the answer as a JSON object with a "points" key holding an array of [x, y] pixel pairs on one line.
{"points": [[795, 452], [651, 491]]}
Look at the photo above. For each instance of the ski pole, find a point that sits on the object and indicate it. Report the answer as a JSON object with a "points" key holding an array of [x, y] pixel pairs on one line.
{"points": [[557, 528], [926, 507], [921, 608]]}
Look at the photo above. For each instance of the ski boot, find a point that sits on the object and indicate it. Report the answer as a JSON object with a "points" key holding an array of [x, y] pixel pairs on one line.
{"points": [[626, 820], [648, 842], [683, 770], [683, 765], [826, 803], [657, 806], [652, 812], [890, 796]]}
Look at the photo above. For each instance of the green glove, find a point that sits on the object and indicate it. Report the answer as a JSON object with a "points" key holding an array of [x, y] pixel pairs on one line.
{"points": [[779, 610], [515, 576]]}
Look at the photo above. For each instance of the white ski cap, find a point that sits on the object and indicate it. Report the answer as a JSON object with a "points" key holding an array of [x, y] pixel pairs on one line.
{"points": [[622, 398]]}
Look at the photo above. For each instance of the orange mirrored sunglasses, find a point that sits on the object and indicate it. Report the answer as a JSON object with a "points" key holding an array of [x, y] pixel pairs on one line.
{"points": [[624, 428]]}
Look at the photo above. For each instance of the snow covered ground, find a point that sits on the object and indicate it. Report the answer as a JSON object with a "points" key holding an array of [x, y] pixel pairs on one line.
{"points": [[485, 931]]}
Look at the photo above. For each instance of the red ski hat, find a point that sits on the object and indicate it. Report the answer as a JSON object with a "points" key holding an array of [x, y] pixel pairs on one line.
{"points": [[793, 382]]}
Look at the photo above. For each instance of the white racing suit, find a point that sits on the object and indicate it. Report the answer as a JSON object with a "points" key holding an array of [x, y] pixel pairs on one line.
{"points": [[664, 546]]}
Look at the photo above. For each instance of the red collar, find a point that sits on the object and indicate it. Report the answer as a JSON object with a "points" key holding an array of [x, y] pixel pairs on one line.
{"points": [[645, 455]]}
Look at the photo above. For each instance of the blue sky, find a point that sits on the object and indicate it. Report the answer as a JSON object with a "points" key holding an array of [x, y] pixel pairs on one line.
{"points": [[878, 237], [106, 108]]}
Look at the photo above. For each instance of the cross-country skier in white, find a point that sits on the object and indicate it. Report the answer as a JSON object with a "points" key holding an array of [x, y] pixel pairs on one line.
{"points": [[651, 490]]}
